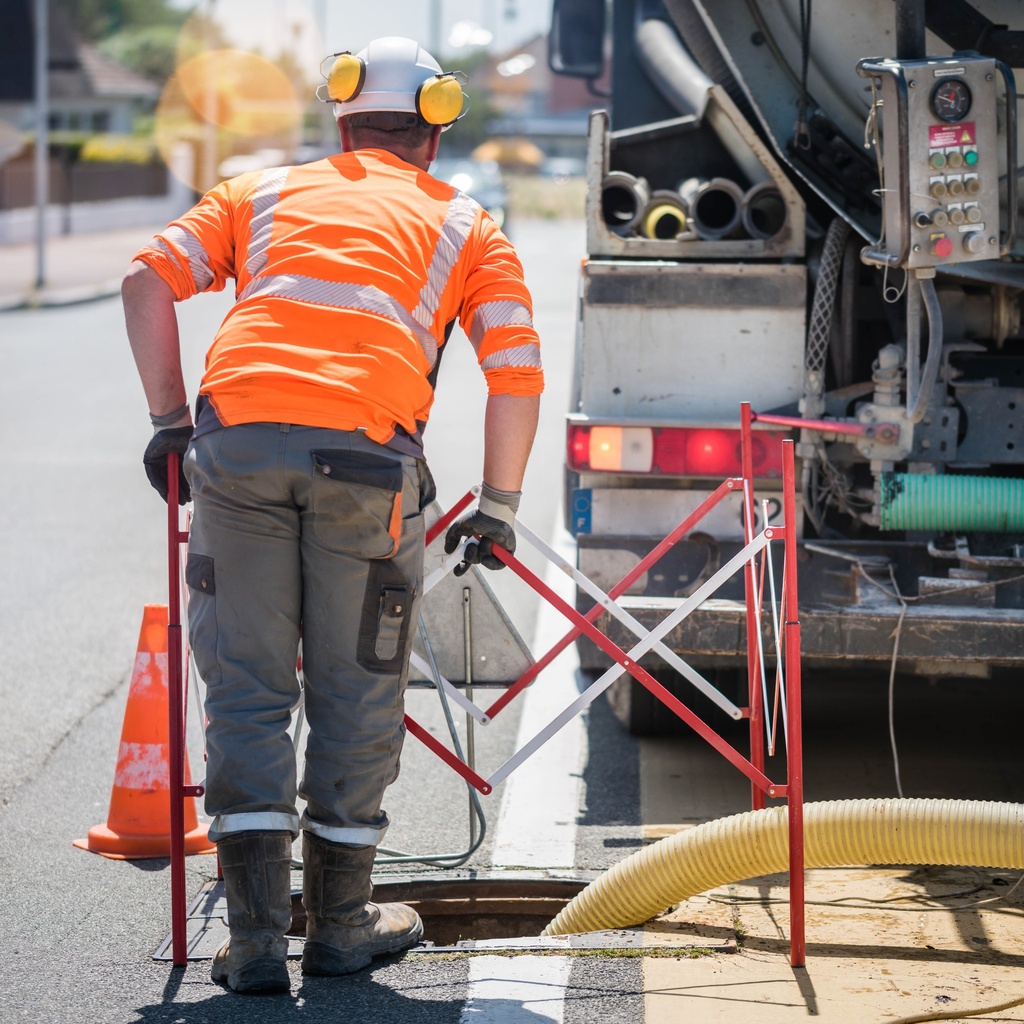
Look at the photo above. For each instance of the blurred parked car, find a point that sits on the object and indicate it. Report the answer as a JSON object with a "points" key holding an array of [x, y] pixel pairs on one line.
{"points": [[480, 180], [563, 168]]}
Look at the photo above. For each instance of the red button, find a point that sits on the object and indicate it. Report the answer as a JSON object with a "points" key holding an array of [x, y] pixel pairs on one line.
{"points": [[942, 246]]}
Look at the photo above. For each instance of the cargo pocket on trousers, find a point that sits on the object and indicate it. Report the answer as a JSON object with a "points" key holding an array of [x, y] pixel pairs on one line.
{"points": [[386, 617], [357, 502], [428, 490], [202, 616]]}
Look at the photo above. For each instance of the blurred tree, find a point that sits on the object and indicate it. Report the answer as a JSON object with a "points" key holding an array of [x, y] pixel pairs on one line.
{"points": [[149, 51], [468, 132], [140, 34], [96, 20]]}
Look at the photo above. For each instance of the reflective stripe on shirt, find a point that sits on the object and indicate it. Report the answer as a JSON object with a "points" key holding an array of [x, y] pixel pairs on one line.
{"points": [[458, 222], [341, 295], [198, 260], [517, 355], [504, 313], [264, 203]]}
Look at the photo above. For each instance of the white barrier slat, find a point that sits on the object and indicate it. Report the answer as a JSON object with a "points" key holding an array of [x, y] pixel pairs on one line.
{"points": [[633, 654], [635, 627]]}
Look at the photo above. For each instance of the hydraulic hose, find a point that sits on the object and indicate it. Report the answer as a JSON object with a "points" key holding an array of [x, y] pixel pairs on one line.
{"points": [[673, 71], [665, 216], [706, 51], [763, 210], [944, 502], [836, 833], [822, 309], [917, 405], [714, 206], [624, 197]]}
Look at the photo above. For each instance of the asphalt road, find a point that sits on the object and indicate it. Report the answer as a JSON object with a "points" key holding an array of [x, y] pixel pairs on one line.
{"points": [[84, 550], [83, 547]]}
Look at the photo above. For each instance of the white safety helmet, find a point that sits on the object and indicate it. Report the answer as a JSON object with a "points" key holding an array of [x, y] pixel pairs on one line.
{"points": [[392, 74]]}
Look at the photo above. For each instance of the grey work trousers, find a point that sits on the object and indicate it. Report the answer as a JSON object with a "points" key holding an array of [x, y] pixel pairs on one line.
{"points": [[312, 533]]}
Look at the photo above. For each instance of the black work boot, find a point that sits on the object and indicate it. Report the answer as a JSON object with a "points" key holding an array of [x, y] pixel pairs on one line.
{"points": [[344, 930], [257, 881]]}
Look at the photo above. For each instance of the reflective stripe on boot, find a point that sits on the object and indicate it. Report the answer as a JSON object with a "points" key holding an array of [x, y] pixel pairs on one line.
{"points": [[344, 931], [257, 882]]}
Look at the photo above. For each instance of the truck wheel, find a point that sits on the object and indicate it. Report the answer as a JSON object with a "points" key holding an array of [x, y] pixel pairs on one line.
{"points": [[642, 714]]}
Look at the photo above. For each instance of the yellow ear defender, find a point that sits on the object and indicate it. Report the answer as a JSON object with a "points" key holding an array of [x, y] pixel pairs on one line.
{"points": [[346, 77], [439, 99]]}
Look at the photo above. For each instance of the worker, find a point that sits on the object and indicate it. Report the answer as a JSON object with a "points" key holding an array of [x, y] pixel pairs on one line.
{"points": [[305, 465]]}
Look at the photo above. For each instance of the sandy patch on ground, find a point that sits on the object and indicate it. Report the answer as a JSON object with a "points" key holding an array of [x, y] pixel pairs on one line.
{"points": [[882, 943]]}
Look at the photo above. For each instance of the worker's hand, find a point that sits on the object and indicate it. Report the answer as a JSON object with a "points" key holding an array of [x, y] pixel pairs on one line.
{"points": [[163, 442], [493, 522]]}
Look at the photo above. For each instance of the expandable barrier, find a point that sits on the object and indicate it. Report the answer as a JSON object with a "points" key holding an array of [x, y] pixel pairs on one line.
{"points": [[783, 633]]}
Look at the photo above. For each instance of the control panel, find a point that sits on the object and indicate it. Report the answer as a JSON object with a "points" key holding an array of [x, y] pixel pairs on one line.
{"points": [[941, 153]]}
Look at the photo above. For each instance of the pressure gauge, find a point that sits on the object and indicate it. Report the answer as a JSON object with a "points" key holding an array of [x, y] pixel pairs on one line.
{"points": [[951, 100]]}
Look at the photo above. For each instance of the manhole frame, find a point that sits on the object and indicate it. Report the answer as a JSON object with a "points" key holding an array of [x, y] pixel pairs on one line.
{"points": [[451, 895]]}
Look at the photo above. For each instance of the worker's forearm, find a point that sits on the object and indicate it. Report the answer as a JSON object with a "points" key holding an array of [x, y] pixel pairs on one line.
{"points": [[510, 423], [152, 326]]}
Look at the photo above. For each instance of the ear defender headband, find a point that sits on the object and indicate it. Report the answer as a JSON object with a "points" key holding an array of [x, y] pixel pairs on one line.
{"points": [[438, 100]]}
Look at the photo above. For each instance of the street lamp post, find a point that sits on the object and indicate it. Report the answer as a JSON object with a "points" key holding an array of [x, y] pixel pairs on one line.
{"points": [[435, 28], [42, 91]]}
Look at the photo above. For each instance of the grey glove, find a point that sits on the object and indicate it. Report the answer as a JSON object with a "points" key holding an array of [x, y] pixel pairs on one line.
{"points": [[492, 522]]}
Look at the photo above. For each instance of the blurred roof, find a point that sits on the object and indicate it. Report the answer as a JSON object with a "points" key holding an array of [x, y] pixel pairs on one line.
{"points": [[77, 69], [518, 78], [93, 74]]}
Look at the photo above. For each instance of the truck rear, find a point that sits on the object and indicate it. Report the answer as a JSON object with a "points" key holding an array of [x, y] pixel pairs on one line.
{"points": [[819, 220]]}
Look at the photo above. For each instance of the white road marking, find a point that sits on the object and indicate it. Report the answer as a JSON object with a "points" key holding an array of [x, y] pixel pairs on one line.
{"points": [[541, 799], [511, 989], [536, 825]]}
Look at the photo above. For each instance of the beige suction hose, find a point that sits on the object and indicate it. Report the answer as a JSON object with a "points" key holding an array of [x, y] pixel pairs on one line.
{"points": [[837, 833]]}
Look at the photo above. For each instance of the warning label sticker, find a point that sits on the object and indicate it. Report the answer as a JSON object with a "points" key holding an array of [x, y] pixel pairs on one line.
{"points": [[942, 136]]}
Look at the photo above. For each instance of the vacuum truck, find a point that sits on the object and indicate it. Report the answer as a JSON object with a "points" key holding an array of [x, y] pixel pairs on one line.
{"points": [[810, 208]]}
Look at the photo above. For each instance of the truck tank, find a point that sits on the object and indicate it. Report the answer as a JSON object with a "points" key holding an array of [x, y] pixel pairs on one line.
{"points": [[811, 208]]}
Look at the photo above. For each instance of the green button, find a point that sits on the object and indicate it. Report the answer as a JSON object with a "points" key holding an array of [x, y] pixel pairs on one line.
{"points": [[971, 157], [938, 160]]}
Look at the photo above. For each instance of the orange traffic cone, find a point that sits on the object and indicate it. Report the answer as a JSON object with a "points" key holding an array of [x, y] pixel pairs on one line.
{"points": [[139, 821]]}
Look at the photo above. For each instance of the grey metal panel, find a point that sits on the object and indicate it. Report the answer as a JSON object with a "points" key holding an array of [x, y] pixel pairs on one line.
{"points": [[721, 342], [675, 285], [931, 634], [498, 652], [995, 430]]}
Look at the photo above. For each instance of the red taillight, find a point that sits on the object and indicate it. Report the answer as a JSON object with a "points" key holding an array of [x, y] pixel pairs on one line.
{"points": [[578, 444], [672, 451]]}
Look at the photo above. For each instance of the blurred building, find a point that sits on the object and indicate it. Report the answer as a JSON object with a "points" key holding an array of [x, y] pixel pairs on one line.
{"points": [[89, 95], [88, 91], [533, 102]]}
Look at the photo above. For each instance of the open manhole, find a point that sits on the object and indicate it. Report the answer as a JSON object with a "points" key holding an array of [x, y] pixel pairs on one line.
{"points": [[468, 910], [505, 911]]}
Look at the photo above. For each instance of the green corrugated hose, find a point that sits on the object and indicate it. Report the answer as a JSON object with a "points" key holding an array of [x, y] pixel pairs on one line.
{"points": [[933, 501], [836, 833]]}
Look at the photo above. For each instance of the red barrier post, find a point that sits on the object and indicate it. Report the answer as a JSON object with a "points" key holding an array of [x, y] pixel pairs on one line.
{"points": [[755, 700], [176, 721], [794, 724]]}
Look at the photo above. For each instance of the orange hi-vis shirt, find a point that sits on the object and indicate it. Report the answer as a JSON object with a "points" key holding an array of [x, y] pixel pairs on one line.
{"points": [[349, 273]]}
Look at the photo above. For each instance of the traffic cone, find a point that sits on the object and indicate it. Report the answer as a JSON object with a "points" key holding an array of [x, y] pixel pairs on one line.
{"points": [[139, 821]]}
